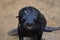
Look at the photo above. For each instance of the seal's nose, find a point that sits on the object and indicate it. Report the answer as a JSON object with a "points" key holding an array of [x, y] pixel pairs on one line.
{"points": [[29, 24]]}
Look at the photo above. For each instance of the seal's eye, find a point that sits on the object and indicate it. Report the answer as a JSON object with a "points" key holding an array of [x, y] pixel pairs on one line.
{"points": [[36, 20], [23, 20]]}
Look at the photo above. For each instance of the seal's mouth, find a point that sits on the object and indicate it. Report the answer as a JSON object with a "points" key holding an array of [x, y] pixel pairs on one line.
{"points": [[29, 27]]}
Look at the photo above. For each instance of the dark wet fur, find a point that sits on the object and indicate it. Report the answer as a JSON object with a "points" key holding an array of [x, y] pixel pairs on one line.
{"points": [[30, 17]]}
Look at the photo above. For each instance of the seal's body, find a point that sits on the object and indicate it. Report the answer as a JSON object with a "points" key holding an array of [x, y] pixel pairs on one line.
{"points": [[31, 23]]}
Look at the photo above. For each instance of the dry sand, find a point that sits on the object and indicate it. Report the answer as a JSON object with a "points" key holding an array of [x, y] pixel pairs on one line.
{"points": [[9, 10]]}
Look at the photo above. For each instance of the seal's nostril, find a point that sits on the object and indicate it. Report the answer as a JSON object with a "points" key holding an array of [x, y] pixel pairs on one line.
{"points": [[29, 24]]}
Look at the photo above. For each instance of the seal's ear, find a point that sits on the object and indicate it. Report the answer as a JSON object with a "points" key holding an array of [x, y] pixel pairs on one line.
{"points": [[17, 16]]}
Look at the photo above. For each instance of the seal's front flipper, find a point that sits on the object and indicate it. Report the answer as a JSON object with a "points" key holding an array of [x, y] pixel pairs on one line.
{"points": [[48, 29], [12, 32]]}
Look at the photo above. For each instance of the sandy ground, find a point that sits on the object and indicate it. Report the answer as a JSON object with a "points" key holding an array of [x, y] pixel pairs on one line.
{"points": [[9, 10]]}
